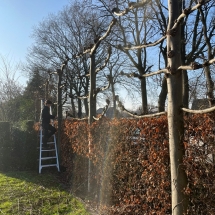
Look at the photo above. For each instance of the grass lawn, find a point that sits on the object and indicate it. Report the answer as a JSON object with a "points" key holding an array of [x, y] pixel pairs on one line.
{"points": [[31, 193]]}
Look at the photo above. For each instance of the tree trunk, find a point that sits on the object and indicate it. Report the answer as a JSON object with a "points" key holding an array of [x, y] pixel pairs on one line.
{"points": [[113, 94], [185, 88], [163, 93], [92, 109], [144, 96], [86, 106], [92, 95], [79, 108], [183, 61], [72, 103], [210, 83], [59, 111], [175, 114], [162, 96], [114, 102], [210, 86], [46, 90]]}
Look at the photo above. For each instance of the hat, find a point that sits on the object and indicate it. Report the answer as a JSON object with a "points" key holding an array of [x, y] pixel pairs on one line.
{"points": [[48, 102]]}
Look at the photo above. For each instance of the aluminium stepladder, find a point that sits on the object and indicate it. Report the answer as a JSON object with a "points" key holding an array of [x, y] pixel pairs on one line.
{"points": [[47, 155]]}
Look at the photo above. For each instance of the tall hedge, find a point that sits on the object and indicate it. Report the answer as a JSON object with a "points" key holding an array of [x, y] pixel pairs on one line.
{"points": [[131, 172], [5, 145], [18, 146]]}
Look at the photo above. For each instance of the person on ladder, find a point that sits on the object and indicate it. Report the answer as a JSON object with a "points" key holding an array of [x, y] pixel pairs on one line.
{"points": [[48, 129]]}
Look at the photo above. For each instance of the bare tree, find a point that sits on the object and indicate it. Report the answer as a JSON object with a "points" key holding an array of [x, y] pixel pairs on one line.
{"points": [[64, 35], [174, 77], [10, 89], [193, 43], [135, 30]]}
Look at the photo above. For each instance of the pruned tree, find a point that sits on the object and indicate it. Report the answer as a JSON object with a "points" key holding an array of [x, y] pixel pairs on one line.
{"points": [[94, 71], [70, 31], [174, 77], [193, 43]]}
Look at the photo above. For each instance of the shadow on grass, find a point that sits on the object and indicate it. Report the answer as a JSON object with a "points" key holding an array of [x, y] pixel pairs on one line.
{"points": [[28, 192], [50, 178]]}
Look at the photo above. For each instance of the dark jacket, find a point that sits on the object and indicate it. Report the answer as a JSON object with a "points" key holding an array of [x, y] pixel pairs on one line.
{"points": [[46, 116]]}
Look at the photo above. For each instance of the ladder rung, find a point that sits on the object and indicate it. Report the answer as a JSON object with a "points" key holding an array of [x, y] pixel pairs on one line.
{"points": [[48, 165], [47, 158], [48, 150]]}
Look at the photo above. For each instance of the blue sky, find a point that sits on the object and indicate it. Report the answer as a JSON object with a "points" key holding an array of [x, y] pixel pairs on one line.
{"points": [[17, 19]]}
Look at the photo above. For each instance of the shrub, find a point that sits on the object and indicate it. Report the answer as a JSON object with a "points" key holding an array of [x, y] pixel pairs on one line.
{"points": [[130, 171]]}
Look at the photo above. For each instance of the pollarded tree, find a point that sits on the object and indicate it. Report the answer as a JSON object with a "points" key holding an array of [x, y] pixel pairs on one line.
{"points": [[196, 35], [118, 82], [64, 35], [174, 78], [134, 30]]}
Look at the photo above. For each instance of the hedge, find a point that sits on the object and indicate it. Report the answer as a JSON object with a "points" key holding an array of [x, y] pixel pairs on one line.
{"points": [[18, 146], [130, 171]]}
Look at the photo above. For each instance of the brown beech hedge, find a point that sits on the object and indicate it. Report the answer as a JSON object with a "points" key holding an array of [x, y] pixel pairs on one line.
{"points": [[129, 163]]}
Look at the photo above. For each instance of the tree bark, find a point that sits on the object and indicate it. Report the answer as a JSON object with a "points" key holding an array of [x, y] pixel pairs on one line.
{"points": [[175, 114], [72, 102], [79, 108], [114, 101], [210, 83], [59, 111], [210, 86], [162, 96], [163, 93], [183, 61], [113, 94], [185, 89], [92, 95], [92, 109], [144, 96], [86, 106]]}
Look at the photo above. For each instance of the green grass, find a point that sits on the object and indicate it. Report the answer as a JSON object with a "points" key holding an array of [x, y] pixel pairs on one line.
{"points": [[28, 193]]}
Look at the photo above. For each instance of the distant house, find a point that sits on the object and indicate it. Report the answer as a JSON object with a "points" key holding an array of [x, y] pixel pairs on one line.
{"points": [[200, 104], [109, 113]]}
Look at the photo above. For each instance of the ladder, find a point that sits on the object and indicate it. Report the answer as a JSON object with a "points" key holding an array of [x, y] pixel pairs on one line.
{"points": [[47, 157]]}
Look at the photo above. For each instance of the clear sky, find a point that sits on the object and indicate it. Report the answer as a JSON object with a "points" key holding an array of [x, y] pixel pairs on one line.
{"points": [[17, 18]]}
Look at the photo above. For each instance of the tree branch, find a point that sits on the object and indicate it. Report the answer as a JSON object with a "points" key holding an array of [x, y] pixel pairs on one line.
{"points": [[78, 118], [172, 31], [185, 13], [79, 97], [92, 48], [121, 106], [97, 90], [131, 6], [136, 75], [104, 111], [143, 45], [106, 60], [207, 110], [195, 65]]}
